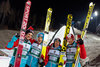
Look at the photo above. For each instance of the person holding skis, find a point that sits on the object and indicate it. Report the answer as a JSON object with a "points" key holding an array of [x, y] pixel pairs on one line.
{"points": [[71, 50], [52, 54], [13, 44], [35, 51]]}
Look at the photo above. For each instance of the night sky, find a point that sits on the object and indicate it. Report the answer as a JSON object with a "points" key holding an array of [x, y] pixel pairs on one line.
{"points": [[61, 8]]}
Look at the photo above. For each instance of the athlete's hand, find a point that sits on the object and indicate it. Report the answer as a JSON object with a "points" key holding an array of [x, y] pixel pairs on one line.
{"points": [[17, 35], [80, 41]]}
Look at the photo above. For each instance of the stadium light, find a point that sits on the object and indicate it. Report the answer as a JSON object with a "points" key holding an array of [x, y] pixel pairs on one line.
{"points": [[96, 13]]}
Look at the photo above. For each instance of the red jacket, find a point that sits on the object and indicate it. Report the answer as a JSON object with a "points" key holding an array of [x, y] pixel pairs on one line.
{"points": [[82, 52]]}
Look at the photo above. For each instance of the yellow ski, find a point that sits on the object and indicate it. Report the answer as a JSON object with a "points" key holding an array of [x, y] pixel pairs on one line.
{"points": [[91, 7], [64, 44], [46, 31]]}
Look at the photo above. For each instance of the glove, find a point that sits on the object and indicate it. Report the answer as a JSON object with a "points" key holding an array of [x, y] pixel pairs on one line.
{"points": [[17, 35], [42, 64], [80, 41]]}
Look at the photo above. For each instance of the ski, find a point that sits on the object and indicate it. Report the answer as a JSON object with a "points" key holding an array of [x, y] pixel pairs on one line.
{"points": [[91, 7], [22, 34], [46, 31], [64, 44]]}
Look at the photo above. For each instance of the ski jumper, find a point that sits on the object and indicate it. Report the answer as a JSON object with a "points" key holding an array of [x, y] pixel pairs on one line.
{"points": [[71, 51]]}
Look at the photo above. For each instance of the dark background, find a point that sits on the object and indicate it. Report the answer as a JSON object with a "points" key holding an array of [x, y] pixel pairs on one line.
{"points": [[11, 13]]}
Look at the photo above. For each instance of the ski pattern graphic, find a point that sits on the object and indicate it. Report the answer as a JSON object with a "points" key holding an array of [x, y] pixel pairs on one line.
{"points": [[64, 44], [91, 7], [22, 34]]}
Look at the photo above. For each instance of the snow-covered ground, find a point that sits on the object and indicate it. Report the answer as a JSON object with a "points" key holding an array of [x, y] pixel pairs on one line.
{"points": [[91, 41], [8, 52], [4, 61]]}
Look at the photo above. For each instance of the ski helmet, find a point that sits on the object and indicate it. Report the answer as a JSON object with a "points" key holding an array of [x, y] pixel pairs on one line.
{"points": [[29, 30], [70, 36], [57, 39], [40, 34]]}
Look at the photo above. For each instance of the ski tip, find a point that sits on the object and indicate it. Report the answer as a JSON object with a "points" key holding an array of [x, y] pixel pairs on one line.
{"points": [[29, 2], [91, 4], [50, 10], [70, 16]]}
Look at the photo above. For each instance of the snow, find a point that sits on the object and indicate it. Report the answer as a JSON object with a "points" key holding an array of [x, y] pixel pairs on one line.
{"points": [[59, 34], [4, 61], [96, 38], [8, 52]]}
